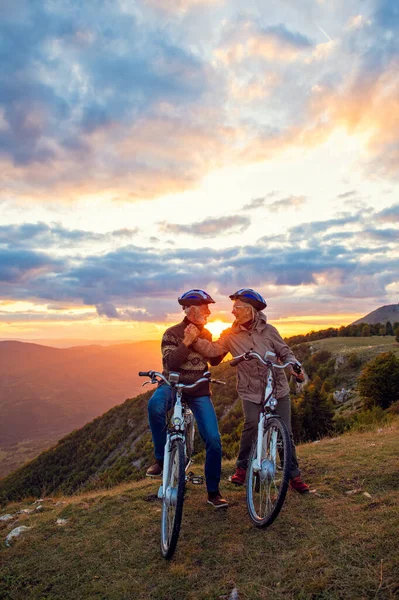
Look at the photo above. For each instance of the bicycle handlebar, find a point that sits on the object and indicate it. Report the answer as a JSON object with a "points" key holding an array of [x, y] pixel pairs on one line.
{"points": [[154, 374], [251, 355]]}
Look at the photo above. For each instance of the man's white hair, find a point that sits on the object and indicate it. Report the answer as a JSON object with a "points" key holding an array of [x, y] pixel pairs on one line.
{"points": [[187, 309]]}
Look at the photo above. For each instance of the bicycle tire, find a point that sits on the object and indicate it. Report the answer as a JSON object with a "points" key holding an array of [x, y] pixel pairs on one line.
{"points": [[173, 498], [266, 489]]}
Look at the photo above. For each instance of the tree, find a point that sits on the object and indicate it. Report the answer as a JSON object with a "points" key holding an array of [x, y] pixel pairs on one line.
{"points": [[366, 330], [389, 328], [354, 360], [315, 412], [396, 332], [378, 382]]}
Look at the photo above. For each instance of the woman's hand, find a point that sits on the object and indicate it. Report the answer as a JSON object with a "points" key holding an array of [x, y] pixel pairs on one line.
{"points": [[191, 333], [296, 371]]}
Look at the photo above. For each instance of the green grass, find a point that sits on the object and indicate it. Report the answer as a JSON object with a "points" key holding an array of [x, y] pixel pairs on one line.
{"points": [[366, 347], [330, 544]]}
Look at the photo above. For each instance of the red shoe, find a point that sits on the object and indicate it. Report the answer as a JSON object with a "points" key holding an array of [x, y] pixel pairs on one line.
{"points": [[298, 485], [239, 476], [217, 500]]}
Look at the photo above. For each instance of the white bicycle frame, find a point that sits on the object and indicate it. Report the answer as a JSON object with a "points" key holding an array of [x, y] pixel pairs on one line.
{"points": [[179, 425], [269, 402]]}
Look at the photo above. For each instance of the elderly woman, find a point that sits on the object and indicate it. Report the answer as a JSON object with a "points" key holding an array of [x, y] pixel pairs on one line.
{"points": [[250, 331]]}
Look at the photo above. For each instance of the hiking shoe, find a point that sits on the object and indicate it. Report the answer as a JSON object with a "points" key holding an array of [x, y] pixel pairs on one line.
{"points": [[298, 485], [239, 476], [156, 469], [217, 500]]}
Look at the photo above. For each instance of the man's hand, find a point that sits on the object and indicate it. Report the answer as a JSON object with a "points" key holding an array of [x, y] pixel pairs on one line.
{"points": [[191, 333], [296, 371]]}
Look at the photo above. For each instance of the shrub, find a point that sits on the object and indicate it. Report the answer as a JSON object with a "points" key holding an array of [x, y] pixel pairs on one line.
{"points": [[354, 360], [378, 383], [367, 420]]}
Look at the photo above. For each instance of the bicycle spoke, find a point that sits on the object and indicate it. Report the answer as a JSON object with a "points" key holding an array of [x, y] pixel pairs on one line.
{"points": [[266, 488], [172, 505]]}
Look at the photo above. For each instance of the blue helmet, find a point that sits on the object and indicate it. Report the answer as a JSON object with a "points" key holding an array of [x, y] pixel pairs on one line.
{"points": [[250, 297], [195, 298]]}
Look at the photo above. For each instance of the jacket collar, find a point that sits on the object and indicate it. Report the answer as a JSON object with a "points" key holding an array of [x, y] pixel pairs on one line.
{"points": [[259, 324]]}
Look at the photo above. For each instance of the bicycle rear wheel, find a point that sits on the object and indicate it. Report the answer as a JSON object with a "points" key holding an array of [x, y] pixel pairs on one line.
{"points": [[173, 498], [266, 488]]}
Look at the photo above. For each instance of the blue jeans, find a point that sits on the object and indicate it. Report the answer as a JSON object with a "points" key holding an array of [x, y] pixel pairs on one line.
{"points": [[204, 413]]}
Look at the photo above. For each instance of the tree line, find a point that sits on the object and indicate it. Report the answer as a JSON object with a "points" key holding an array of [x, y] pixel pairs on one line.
{"points": [[359, 330]]}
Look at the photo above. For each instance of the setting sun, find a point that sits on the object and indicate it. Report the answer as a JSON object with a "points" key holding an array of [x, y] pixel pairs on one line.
{"points": [[216, 328]]}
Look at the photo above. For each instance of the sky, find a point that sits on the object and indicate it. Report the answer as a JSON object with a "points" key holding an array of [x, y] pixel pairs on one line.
{"points": [[149, 147]]}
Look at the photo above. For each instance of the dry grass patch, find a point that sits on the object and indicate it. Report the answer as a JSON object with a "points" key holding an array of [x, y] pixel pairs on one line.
{"points": [[327, 545]]}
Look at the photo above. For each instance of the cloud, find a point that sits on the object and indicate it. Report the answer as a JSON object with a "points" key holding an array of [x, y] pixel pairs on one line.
{"points": [[111, 312], [79, 89], [247, 38], [291, 202], [389, 215], [181, 5], [19, 266], [124, 100], [255, 203], [345, 195], [322, 261], [209, 227], [43, 235]]}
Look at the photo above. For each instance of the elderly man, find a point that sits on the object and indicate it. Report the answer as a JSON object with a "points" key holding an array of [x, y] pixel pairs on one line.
{"points": [[250, 331], [178, 355]]}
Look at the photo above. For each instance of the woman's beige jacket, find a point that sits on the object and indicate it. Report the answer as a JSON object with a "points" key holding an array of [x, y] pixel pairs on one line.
{"points": [[260, 337]]}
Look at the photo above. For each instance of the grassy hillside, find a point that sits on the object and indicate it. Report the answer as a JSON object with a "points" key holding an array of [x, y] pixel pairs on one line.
{"points": [[366, 347], [113, 447], [339, 542], [118, 445]]}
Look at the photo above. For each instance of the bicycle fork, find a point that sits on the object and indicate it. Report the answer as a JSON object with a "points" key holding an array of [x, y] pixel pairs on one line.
{"points": [[256, 465], [267, 466], [178, 425]]}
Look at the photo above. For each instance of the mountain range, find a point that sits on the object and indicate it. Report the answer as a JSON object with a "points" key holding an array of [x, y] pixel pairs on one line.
{"points": [[390, 312], [47, 392]]}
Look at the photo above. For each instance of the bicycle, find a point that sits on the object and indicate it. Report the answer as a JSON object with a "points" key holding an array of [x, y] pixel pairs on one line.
{"points": [[269, 464], [177, 457]]}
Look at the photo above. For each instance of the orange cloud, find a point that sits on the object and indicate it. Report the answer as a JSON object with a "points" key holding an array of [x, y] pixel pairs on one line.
{"points": [[367, 107]]}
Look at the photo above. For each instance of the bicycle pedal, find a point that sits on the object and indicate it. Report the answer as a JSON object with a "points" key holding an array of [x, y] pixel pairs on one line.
{"points": [[195, 479]]}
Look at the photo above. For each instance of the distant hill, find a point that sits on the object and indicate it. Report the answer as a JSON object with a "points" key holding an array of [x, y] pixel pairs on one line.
{"points": [[111, 448], [47, 392], [67, 342], [390, 312]]}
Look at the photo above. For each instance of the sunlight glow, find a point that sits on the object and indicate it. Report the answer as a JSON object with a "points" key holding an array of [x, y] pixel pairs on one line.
{"points": [[216, 328]]}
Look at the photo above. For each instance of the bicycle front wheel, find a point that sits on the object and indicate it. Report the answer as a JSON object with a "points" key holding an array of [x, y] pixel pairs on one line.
{"points": [[173, 498], [267, 486]]}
